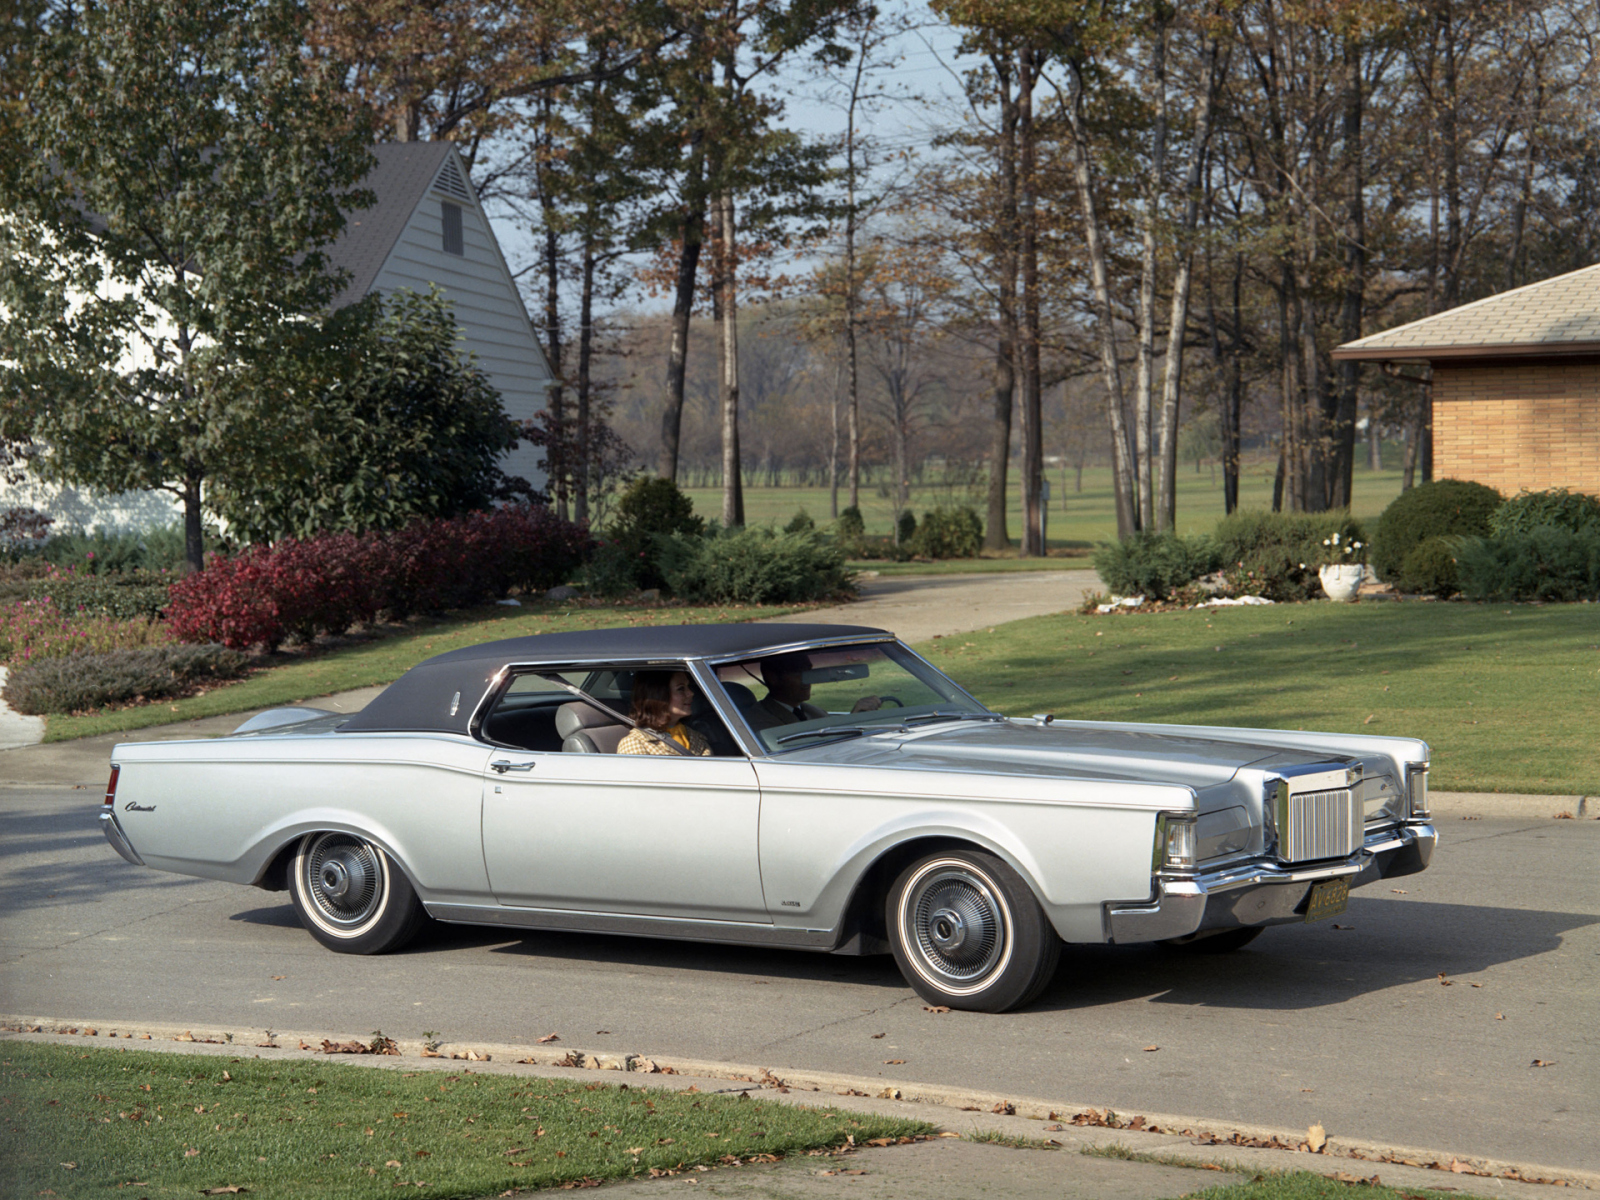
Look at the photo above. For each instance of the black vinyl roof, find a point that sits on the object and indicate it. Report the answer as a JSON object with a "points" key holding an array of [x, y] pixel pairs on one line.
{"points": [[421, 699]]}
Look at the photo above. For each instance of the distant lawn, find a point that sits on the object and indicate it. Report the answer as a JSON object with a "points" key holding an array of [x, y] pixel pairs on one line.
{"points": [[1507, 697], [114, 1123], [386, 659], [1059, 560], [1078, 521]]}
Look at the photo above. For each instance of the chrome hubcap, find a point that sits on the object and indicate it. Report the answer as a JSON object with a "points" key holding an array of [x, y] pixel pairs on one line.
{"points": [[958, 924], [345, 878]]}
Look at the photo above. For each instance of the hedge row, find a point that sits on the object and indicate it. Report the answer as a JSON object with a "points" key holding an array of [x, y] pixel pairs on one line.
{"points": [[326, 584], [78, 682]]}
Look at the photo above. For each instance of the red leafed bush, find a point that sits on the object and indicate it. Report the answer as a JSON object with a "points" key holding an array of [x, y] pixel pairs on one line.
{"points": [[326, 584]]}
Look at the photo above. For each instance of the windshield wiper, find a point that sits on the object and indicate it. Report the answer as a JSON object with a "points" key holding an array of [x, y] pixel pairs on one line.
{"points": [[952, 716], [854, 730]]}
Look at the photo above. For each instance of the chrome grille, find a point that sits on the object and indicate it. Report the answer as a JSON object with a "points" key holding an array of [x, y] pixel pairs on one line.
{"points": [[1321, 825]]}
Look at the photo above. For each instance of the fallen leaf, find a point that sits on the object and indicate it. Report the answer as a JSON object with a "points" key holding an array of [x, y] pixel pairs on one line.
{"points": [[1499, 1016], [879, 1035], [424, 1153], [190, 1152], [1005, 1108], [1540, 1062], [70, 1166], [280, 977], [1316, 1138], [894, 1062], [1151, 1049], [1443, 982], [233, 1189], [936, 1008], [549, 1037], [1477, 985], [1400, 891], [393, 1162], [1344, 927], [1371, 717]]}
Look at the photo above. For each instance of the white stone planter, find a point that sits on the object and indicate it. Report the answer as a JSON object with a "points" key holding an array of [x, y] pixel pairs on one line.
{"points": [[1341, 580]]}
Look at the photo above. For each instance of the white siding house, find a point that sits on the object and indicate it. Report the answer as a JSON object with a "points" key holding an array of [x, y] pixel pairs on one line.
{"points": [[426, 229]]}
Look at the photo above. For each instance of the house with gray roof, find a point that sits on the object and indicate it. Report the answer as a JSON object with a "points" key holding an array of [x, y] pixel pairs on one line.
{"points": [[1515, 381], [427, 228]]}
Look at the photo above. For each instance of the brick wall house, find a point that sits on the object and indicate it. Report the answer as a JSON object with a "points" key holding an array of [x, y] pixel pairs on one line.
{"points": [[1516, 384]]}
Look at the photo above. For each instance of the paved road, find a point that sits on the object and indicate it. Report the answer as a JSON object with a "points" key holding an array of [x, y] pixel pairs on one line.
{"points": [[1348, 1026]]}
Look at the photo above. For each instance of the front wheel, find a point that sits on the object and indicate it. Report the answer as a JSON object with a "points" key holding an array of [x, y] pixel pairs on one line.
{"points": [[968, 933], [350, 896]]}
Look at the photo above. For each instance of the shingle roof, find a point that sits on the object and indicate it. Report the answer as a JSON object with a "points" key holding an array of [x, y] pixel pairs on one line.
{"points": [[1557, 317], [403, 175]]}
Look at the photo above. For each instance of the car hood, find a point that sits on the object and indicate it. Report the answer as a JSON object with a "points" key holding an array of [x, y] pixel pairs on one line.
{"points": [[1135, 753]]}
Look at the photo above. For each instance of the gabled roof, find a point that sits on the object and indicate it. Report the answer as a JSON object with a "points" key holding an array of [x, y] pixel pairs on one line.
{"points": [[405, 172], [1559, 317]]}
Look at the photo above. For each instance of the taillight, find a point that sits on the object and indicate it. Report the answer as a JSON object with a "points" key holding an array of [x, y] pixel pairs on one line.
{"points": [[111, 785]]}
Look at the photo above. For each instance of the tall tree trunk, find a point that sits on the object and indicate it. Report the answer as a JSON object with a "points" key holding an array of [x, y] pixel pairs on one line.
{"points": [[852, 290], [694, 227], [580, 506], [995, 534], [728, 363], [1155, 180], [1178, 319], [1343, 458], [194, 541], [1033, 516], [833, 451], [555, 456], [1124, 475]]}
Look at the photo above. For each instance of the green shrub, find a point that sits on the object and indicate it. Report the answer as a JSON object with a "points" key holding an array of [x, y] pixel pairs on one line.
{"points": [[649, 507], [948, 533], [754, 565], [905, 527], [102, 553], [800, 522], [1275, 554], [1527, 511], [122, 594], [1443, 508], [91, 680], [1430, 568], [851, 532], [1549, 562], [1154, 565], [612, 570]]}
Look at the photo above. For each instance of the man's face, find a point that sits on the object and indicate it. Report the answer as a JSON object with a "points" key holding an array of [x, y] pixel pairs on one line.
{"points": [[784, 682]]}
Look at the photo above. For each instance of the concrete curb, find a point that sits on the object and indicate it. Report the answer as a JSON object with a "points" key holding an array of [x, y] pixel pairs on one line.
{"points": [[1202, 1140]]}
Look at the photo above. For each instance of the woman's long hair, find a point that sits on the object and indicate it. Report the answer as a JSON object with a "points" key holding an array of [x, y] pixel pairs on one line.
{"points": [[652, 699]]}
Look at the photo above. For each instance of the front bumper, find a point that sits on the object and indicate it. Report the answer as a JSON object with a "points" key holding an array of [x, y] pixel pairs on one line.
{"points": [[1261, 892], [118, 840]]}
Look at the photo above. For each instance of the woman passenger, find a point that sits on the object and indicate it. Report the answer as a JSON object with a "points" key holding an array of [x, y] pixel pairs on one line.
{"points": [[661, 701]]}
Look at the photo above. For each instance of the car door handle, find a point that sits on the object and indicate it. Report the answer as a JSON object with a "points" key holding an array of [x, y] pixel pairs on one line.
{"points": [[502, 765]]}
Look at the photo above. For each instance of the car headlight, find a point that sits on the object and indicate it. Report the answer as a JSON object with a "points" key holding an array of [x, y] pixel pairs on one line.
{"points": [[1417, 789], [1175, 843]]}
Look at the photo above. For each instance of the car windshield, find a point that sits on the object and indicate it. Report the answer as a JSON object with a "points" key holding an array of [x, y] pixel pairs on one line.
{"points": [[851, 688]]}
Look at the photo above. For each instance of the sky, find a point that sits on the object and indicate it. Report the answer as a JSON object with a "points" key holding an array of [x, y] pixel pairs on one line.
{"points": [[921, 95]]}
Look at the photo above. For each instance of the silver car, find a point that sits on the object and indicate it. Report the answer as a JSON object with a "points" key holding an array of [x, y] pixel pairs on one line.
{"points": [[845, 797]]}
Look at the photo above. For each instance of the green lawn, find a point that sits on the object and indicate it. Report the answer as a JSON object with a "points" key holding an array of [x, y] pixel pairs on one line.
{"points": [[107, 1122], [1507, 697], [386, 659], [1078, 521]]}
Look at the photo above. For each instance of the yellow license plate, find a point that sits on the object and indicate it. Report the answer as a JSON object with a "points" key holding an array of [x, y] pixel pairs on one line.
{"points": [[1328, 899]]}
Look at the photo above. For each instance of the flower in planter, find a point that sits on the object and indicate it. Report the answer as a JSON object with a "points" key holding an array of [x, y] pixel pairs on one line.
{"points": [[1342, 551]]}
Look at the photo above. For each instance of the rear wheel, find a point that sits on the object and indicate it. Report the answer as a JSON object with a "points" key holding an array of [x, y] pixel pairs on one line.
{"points": [[968, 933], [350, 896]]}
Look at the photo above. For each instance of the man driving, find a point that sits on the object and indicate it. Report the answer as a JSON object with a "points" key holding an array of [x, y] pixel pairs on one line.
{"points": [[788, 698]]}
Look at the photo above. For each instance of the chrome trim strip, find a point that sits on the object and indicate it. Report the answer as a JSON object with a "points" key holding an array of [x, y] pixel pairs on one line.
{"points": [[118, 839], [730, 932]]}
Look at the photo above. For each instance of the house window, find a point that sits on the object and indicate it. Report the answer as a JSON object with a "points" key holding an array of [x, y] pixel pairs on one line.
{"points": [[452, 228]]}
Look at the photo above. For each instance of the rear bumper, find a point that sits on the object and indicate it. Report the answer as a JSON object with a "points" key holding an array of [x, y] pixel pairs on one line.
{"points": [[118, 840], [1261, 892]]}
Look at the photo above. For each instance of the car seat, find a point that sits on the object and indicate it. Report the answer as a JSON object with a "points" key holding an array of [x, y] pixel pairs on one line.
{"points": [[584, 729]]}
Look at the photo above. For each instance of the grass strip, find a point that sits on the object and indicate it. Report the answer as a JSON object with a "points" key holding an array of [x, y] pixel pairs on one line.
{"points": [[988, 564], [1505, 695], [1304, 1185], [386, 659], [103, 1122]]}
